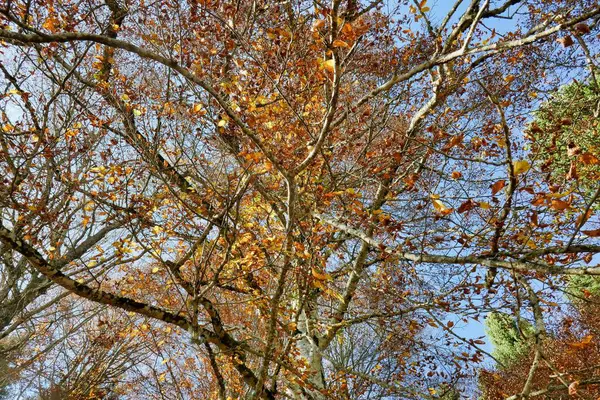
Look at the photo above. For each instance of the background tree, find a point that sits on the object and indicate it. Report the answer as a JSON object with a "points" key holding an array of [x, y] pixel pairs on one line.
{"points": [[511, 341], [564, 134]]}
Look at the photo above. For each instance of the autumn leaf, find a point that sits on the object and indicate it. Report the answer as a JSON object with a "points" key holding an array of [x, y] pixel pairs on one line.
{"points": [[456, 175], [572, 174], [340, 43], [496, 187], [320, 275], [439, 206], [520, 167], [582, 28], [318, 24], [589, 159], [559, 205], [329, 65], [466, 206], [484, 205], [592, 233], [585, 342], [565, 41], [573, 388], [456, 140], [50, 24]]}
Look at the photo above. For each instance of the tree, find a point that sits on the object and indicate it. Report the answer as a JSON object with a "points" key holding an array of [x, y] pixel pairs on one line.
{"points": [[569, 353], [251, 185], [510, 338], [564, 134]]}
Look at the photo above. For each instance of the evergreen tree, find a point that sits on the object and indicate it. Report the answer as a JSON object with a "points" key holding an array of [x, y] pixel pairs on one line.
{"points": [[510, 341], [565, 133]]}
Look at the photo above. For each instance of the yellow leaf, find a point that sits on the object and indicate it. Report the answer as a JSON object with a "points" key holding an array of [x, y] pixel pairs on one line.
{"points": [[222, 123], [85, 221], [155, 270], [329, 65], [333, 293], [439, 206], [520, 167], [198, 107], [321, 276], [484, 205]]}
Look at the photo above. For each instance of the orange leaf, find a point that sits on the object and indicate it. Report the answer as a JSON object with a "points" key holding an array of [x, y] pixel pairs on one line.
{"points": [[559, 205], [585, 342], [456, 175], [318, 24], [340, 43], [592, 233], [588, 159], [496, 187], [455, 141]]}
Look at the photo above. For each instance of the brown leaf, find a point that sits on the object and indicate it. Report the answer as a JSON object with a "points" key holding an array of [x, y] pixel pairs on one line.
{"points": [[592, 233], [582, 28], [466, 206], [496, 187], [559, 205], [318, 24], [534, 219], [455, 141], [535, 128], [565, 41]]}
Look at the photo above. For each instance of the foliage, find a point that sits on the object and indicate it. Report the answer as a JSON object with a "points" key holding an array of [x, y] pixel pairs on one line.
{"points": [[511, 342], [573, 350], [583, 287], [565, 133], [293, 199]]}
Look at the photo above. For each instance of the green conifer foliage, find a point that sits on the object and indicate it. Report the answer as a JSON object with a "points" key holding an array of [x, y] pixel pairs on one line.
{"points": [[510, 343], [566, 134]]}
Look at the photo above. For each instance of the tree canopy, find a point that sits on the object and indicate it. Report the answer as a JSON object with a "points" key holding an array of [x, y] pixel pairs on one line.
{"points": [[292, 199]]}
